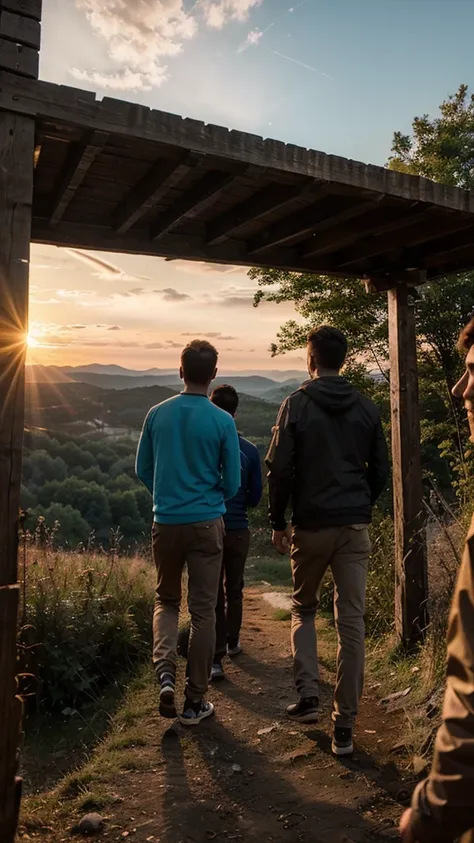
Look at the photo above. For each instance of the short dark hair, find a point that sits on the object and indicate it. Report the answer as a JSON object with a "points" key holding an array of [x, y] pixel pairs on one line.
{"points": [[466, 337], [198, 362], [328, 347], [226, 398]]}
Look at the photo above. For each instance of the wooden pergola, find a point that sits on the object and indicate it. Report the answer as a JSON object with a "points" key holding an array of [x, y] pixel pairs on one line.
{"points": [[114, 176]]}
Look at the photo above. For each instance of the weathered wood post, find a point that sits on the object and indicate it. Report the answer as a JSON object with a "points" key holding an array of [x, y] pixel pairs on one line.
{"points": [[19, 52], [411, 578]]}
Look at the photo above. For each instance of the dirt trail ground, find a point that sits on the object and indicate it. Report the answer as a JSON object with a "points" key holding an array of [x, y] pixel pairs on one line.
{"points": [[250, 776]]}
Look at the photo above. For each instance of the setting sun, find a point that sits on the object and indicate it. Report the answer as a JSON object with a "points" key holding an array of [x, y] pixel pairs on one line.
{"points": [[31, 341]]}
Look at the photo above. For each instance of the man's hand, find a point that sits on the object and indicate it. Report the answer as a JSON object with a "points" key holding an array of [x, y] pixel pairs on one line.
{"points": [[282, 540], [406, 832]]}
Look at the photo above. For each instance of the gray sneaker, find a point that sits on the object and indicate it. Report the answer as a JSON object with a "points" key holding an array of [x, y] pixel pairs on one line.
{"points": [[234, 651], [217, 672], [193, 713], [167, 696]]}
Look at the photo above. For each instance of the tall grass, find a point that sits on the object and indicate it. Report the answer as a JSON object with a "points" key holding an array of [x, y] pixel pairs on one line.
{"points": [[85, 619]]}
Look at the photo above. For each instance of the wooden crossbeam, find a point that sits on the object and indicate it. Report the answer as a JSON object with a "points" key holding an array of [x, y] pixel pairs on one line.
{"points": [[19, 29], [78, 162], [203, 192], [335, 236], [27, 8], [432, 229], [268, 199], [159, 179], [419, 258], [334, 208]]}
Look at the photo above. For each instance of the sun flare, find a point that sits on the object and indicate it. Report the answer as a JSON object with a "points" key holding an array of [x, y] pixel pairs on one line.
{"points": [[31, 341]]}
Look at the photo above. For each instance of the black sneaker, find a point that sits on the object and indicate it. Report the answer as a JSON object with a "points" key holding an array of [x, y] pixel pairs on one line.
{"points": [[304, 711], [342, 741], [217, 672], [193, 713], [167, 696]]}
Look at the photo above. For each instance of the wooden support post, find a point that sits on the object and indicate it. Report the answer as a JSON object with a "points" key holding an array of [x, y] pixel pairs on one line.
{"points": [[411, 580], [19, 26]]}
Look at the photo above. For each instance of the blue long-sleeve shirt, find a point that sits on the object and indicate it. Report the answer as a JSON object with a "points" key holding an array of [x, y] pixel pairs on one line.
{"points": [[250, 490], [189, 459]]}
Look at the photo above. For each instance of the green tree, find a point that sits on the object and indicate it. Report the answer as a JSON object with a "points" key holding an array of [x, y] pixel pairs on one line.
{"points": [[71, 528], [441, 148]]}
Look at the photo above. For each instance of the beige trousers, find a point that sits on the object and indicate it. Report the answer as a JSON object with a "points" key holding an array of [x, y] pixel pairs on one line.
{"points": [[200, 547], [346, 551]]}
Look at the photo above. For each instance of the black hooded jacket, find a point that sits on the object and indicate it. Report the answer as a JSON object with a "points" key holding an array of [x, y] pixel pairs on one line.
{"points": [[328, 454]]}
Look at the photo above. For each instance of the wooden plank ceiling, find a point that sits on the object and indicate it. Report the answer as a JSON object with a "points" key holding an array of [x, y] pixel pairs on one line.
{"points": [[118, 177]]}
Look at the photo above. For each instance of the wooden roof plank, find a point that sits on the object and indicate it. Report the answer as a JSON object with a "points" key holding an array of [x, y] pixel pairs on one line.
{"points": [[270, 198], [54, 102], [19, 59], [77, 165], [376, 221], [203, 192], [333, 210], [163, 176], [27, 8], [431, 229], [19, 29]]}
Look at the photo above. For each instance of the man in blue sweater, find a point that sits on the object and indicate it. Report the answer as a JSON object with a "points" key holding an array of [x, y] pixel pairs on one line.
{"points": [[236, 540], [189, 459]]}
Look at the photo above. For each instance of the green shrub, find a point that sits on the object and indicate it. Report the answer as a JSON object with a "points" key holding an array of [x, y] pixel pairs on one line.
{"points": [[86, 620]]}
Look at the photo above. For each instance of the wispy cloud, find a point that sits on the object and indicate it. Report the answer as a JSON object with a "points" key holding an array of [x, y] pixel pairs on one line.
{"points": [[303, 64], [218, 12], [255, 35], [105, 270], [253, 38], [169, 294], [142, 34], [210, 335]]}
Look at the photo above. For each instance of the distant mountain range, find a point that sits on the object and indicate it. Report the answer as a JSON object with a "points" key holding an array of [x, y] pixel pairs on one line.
{"points": [[272, 386]]}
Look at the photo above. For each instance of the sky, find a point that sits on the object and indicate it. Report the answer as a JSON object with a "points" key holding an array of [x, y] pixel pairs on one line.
{"points": [[339, 76]]}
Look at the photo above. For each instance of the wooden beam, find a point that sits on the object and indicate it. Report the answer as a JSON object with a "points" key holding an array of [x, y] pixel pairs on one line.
{"points": [[379, 219], [17, 149], [335, 208], [27, 8], [19, 29], [19, 59], [78, 163], [160, 178], [411, 578], [17, 135], [205, 191], [432, 229], [48, 101], [270, 198]]}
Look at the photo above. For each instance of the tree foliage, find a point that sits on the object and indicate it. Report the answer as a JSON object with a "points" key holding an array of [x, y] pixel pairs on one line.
{"points": [[440, 148]]}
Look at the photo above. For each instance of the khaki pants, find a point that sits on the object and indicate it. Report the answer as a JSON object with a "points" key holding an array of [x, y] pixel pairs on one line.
{"points": [[346, 551], [199, 546]]}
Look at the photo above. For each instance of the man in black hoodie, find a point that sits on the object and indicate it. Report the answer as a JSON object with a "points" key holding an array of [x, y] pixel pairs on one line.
{"points": [[329, 456]]}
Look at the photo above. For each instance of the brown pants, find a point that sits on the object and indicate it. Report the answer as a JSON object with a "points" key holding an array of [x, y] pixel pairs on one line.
{"points": [[346, 551], [199, 546], [231, 587]]}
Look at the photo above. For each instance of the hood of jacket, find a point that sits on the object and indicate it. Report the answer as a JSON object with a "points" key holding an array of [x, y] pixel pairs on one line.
{"points": [[333, 393]]}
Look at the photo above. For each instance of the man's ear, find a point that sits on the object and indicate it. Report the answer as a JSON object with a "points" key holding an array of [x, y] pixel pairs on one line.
{"points": [[181, 373], [214, 375]]}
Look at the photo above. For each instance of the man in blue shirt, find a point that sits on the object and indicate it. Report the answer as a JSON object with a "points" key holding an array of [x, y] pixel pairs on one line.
{"points": [[189, 459], [236, 541]]}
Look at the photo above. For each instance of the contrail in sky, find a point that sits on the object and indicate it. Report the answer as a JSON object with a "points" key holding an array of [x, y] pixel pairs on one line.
{"points": [[302, 64]]}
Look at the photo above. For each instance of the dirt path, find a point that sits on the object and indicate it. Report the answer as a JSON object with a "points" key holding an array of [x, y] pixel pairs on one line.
{"points": [[249, 775]]}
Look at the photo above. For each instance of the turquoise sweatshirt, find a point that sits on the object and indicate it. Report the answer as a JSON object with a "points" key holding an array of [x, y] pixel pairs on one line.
{"points": [[189, 459]]}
